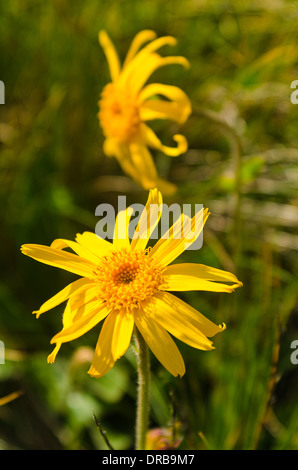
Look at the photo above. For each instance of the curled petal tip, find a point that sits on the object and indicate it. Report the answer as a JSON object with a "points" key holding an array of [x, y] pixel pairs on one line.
{"points": [[51, 357]]}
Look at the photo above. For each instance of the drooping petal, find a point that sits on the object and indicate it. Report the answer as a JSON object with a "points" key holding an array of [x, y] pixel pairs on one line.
{"points": [[60, 259], [183, 321], [148, 220], [191, 276], [178, 108], [160, 343], [111, 54], [181, 235], [103, 360], [177, 324], [137, 162], [79, 300], [112, 343], [68, 316], [61, 296], [79, 307], [123, 328], [138, 168], [113, 148], [93, 313], [159, 109], [143, 162], [151, 139]]}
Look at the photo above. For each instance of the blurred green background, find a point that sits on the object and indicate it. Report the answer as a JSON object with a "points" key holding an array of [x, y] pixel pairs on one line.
{"points": [[241, 163]]}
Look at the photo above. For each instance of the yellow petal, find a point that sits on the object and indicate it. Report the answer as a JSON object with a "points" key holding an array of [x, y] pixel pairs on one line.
{"points": [[111, 54], [112, 343], [148, 220], [121, 235], [61, 296], [92, 242], [68, 316], [143, 162], [8, 398], [183, 321], [67, 261], [161, 344], [138, 41], [143, 70], [159, 109], [60, 244], [181, 235], [112, 148], [81, 305], [157, 44], [177, 109], [131, 70], [51, 357], [165, 187], [177, 324], [191, 276], [94, 312], [81, 298], [123, 328], [138, 167], [151, 139]]}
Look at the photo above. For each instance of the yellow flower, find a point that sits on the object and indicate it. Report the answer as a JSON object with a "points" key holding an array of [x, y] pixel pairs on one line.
{"points": [[126, 105], [126, 284]]}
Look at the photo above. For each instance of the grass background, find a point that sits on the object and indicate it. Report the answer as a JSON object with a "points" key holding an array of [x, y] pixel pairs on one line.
{"points": [[241, 163]]}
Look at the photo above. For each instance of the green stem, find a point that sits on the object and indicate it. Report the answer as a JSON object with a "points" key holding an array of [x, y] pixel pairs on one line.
{"points": [[143, 403]]}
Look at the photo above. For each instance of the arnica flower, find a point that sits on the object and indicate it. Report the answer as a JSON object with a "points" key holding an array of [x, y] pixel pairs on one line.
{"points": [[127, 285], [126, 105]]}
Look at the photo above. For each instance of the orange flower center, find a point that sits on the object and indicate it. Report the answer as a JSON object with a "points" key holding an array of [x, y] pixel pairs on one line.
{"points": [[118, 113], [128, 278]]}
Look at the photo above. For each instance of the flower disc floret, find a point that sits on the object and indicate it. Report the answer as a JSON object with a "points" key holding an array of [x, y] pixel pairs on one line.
{"points": [[128, 278], [118, 113]]}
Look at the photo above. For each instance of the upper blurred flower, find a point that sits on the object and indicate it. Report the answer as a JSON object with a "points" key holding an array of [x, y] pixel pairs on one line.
{"points": [[126, 284], [126, 105]]}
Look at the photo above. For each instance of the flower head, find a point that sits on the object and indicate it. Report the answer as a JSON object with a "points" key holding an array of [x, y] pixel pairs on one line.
{"points": [[127, 285], [126, 104]]}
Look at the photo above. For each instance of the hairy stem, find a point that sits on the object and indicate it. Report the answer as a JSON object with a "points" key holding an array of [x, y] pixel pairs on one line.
{"points": [[143, 401]]}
